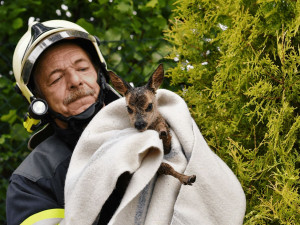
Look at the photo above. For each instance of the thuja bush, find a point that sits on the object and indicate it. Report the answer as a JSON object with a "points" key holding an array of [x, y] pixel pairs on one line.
{"points": [[238, 69]]}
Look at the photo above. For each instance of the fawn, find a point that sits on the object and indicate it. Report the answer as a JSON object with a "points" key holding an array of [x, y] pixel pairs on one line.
{"points": [[143, 113]]}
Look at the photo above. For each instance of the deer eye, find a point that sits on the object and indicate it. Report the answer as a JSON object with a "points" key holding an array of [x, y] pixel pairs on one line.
{"points": [[130, 111], [149, 108]]}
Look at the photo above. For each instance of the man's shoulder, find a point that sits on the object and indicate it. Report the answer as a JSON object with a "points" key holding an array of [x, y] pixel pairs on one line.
{"points": [[43, 161]]}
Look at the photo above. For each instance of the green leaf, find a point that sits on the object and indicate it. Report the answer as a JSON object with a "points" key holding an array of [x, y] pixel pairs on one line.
{"points": [[4, 82], [113, 34], [156, 57], [152, 3], [17, 23], [158, 21], [124, 7], [138, 56], [16, 12], [10, 117], [3, 137], [136, 25], [18, 132], [115, 59], [86, 25]]}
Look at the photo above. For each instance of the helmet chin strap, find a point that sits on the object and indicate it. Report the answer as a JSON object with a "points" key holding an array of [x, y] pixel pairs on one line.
{"points": [[79, 121]]}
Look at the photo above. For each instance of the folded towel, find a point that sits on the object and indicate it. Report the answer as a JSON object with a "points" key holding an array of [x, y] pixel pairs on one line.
{"points": [[109, 146]]}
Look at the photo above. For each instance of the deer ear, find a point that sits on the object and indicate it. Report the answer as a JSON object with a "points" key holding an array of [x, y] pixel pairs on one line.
{"points": [[119, 84], [156, 79]]}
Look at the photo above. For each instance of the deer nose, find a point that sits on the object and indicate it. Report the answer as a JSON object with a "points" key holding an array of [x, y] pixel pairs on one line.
{"points": [[140, 125]]}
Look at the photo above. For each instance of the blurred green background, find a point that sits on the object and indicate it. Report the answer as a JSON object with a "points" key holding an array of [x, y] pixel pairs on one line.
{"points": [[131, 34]]}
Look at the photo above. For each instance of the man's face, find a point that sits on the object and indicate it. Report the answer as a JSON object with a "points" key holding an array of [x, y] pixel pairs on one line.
{"points": [[67, 79]]}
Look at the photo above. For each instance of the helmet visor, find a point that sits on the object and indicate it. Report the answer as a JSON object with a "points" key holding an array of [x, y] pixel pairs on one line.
{"points": [[45, 43]]}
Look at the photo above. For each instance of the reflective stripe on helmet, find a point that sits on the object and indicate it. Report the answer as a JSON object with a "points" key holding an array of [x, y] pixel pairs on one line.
{"points": [[47, 217], [40, 47]]}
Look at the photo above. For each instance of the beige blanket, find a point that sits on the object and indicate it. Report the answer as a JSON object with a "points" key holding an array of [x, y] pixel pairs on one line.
{"points": [[109, 146]]}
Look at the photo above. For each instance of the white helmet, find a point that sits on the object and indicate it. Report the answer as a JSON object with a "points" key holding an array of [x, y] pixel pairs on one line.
{"points": [[33, 43], [38, 38]]}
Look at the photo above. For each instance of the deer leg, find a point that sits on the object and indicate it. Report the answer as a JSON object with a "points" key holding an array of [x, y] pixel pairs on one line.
{"points": [[164, 133], [166, 138], [167, 169]]}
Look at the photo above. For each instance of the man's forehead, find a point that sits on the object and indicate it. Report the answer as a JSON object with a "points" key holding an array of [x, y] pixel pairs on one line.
{"points": [[65, 49], [61, 54]]}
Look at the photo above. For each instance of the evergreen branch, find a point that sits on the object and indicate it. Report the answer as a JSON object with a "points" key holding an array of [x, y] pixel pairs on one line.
{"points": [[282, 43], [273, 78]]}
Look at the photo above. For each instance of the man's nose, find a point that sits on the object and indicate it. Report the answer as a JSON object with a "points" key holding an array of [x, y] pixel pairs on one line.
{"points": [[74, 79]]}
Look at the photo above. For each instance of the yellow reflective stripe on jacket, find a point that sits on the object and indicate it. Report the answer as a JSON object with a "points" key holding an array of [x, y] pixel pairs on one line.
{"points": [[44, 215]]}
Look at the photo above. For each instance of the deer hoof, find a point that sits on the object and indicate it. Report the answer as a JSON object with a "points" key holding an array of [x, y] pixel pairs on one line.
{"points": [[162, 134], [167, 149], [190, 180]]}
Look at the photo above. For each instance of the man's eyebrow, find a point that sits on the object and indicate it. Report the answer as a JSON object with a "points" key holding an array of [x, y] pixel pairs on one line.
{"points": [[80, 60]]}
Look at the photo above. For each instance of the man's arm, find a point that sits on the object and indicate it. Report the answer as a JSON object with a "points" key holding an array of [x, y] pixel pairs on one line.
{"points": [[36, 189], [31, 202]]}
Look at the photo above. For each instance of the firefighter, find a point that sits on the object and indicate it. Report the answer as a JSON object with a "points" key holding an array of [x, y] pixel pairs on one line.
{"points": [[61, 72]]}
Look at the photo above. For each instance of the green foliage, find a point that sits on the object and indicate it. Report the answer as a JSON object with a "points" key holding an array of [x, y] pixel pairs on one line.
{"points": [[132, 44], [12, 136], [238, 64], [129, 31]]}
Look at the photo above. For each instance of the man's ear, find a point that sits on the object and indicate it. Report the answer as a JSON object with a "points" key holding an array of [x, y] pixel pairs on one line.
{"points": [[119, 84], [156, 79]]}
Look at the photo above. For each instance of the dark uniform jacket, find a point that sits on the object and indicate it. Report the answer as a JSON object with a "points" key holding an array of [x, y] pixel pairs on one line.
{"points": [[36, 189], [35, 194]]}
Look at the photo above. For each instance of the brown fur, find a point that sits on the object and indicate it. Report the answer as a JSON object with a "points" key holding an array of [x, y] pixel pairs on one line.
{"points": [[143, 114]]}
